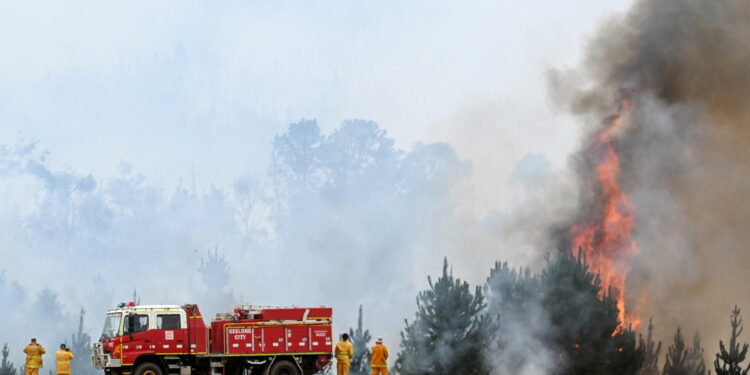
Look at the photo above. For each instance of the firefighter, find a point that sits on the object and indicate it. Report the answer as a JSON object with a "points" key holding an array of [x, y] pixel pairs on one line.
{"points": [[34, 354], [63, 357], [343, 353], [378, 358]]}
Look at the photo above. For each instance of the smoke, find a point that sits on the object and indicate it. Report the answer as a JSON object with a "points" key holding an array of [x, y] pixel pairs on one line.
{"points": [[685, 163], [340, 219], [519, 344]]}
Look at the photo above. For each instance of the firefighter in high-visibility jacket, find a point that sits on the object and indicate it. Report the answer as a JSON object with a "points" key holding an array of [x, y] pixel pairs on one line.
{"points": [[63, 357], [34, 354], [344, 352], [378, 358]]}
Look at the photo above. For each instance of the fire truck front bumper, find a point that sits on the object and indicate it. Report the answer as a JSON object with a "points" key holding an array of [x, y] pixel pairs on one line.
{"points": [[102, 360]]}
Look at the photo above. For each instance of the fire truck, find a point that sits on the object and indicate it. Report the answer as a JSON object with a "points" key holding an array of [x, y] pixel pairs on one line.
{"points": [[175, 340]]}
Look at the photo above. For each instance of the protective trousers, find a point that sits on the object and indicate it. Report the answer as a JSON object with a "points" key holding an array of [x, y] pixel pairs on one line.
{"points": [[32, 371], [379, 371], [342, 368]]}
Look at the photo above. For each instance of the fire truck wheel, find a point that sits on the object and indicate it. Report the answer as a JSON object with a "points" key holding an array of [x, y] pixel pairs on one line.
{"points": [[147, 368], [283, 367]]}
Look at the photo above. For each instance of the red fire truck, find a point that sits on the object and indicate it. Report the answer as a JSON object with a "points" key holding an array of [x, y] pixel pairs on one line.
{"points": [[174, 340]]}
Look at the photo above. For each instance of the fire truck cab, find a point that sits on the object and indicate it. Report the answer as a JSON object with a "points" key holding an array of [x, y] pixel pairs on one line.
{"points": [[174, 340]]}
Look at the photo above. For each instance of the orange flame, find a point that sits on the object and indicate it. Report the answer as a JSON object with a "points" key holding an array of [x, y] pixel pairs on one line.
{"points": [[605, 237]]}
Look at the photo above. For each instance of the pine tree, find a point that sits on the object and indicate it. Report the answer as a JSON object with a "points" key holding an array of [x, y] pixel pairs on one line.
{"points": [[216, 276], [136, 297], [730, 362], [81, 348], [511, 293], [651, 352], [448, 335], [513, 305], [586, 332], [695, 356], [6, 367], [360, 364], [677, 361], [214, 271]]}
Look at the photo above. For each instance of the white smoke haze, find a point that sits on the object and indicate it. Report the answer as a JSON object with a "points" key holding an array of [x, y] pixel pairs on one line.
{"points": [[154, 128], [380, 215], [520, 347], [150, 150]]}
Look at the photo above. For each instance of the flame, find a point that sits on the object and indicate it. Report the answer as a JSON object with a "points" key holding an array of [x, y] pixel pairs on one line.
{"points": [[605, 236]]}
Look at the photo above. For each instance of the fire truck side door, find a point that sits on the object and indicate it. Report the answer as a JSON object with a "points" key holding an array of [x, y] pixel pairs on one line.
{"points": [[171, 332], [135, 340]]}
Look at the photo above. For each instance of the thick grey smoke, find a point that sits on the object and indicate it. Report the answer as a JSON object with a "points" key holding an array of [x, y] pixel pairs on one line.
{"points": [[685, 66]]}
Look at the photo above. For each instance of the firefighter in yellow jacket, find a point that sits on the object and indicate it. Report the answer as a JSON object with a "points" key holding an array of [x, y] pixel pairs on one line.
{"points": [[343, 353], [34, 354], [63, 357], [378, 358]]}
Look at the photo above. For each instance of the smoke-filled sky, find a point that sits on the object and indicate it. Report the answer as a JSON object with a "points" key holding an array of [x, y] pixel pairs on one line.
{"points": [[154, 127], [189, 87], [137, 137]]}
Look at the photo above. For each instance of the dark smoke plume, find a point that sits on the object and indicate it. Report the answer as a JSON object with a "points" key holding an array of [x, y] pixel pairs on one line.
{"points": [[684, 150]]}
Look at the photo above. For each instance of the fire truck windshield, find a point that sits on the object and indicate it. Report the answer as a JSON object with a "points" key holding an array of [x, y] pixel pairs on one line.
{"points": [[112, 325]]}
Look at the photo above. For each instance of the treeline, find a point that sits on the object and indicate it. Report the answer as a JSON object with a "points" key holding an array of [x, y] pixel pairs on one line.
{"points": [[320, 194], [557, 322]]}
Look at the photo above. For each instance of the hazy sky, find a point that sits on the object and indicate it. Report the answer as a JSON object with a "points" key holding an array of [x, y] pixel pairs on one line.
{"points": [[182, 88], [177, 87]]}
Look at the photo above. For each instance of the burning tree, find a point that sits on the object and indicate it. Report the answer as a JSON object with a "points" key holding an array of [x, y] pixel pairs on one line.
{"points": [[730, 362], [650, 352], [604, 228], [360, 364], [585, 331], [449, 333], [6, 367]]}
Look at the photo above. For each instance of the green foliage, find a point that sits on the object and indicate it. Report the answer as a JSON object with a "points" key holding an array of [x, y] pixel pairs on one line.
{"points": [[6, 367], [511, 293], [559, 322], [584, 328], [729, 362], [360, 364], [449, 334]]}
